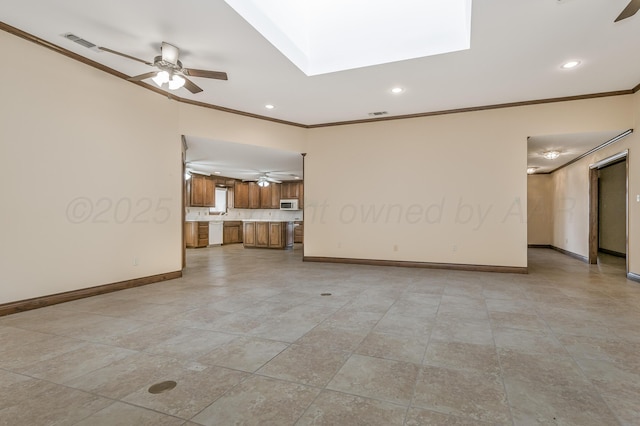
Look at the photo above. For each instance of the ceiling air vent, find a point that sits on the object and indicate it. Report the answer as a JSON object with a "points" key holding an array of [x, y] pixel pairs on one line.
{"points": [[82, 42], [378, 113]]}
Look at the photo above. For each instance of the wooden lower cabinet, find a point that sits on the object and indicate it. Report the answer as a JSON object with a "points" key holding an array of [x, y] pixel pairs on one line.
{"points": [[262, 234], [275, 235], [298, 232], [249, 234], [232, 232], [196, 234]]}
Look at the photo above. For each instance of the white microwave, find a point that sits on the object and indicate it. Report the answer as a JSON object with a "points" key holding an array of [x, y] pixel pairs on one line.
{"points": [[289, 205]]}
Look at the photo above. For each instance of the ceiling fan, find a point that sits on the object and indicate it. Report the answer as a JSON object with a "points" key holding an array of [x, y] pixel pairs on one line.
{"points": [[264, 179], [170, 70], [629, 11]]}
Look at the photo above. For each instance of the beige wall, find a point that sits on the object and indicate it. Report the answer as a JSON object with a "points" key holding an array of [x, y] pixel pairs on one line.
{"points": [[612, 209], [571, 196], [80, 145], [84, 157], [445, 189], [90, 171], [540, 209]]}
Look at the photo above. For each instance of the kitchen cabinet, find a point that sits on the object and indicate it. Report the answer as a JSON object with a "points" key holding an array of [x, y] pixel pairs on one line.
{"points": [[249, 195], [249, 234], [196, 234], [262, 234], [232, 232], [298, 232], [254, 195], [293, 191], [272, 235], [241, 195], [201, 191], [270, 196]]}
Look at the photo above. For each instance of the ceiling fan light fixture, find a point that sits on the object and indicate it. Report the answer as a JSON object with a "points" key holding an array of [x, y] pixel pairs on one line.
{"points": [[551, 155], [263, 183], [176, 82], [161, 78]]}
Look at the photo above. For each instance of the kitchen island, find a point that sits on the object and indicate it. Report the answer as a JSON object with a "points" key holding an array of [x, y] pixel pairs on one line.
{"points": [[268, 234]]}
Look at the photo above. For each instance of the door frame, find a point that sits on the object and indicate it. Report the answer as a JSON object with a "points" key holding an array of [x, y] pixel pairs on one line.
{"points": [[594, 197]]}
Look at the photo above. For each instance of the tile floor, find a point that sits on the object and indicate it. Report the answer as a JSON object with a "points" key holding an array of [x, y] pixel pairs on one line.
{"points": [[250, 340]]}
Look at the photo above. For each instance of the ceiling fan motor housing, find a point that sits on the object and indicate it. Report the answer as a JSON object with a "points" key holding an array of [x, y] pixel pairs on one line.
{"points": [[167, 66]]}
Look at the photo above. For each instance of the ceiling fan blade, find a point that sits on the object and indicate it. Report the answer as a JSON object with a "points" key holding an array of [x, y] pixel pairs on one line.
{"points": [[274, 180], [143, 76], [191, 86], [170, 53], [105, 49], [629, 11], [218, 75]]}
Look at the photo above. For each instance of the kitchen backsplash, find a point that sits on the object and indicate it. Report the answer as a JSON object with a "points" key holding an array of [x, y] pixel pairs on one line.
{"points": [[202, 213]]}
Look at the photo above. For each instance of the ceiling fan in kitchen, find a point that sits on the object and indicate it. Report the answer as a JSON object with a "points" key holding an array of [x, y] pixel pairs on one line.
{"points": [[264, 179], [631, 9], [169, 69]]}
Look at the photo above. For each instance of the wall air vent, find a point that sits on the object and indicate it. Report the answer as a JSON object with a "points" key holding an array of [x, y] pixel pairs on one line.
{"points": [[82, 42], [378, 113]]}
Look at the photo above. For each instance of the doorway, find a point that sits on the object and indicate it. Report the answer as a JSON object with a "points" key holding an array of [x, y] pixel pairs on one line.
{"points": [[608, 210]]}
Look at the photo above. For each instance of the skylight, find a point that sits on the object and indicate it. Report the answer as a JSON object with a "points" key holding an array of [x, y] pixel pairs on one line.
{"points": [[323, 36]]}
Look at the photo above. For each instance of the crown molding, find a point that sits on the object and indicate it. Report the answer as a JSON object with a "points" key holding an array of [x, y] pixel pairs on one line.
{"points": [[30, 37]]}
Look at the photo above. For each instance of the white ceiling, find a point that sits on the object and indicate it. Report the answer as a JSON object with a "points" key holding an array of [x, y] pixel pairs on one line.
{"points": [[516, 51], [570, 146], [241, 161]]}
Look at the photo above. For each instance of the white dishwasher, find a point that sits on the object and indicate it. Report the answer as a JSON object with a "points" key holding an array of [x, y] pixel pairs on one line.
{"points": [[215, 233]]}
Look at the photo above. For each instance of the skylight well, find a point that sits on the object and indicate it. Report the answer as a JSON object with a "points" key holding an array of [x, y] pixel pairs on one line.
{"points": [[324, 36]]}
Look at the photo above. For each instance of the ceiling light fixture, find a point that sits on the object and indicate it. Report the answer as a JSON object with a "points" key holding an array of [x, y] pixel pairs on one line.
{"points": [[570, 65], [269, 106], [531, 170], [262, 181], [551, 155], [397, 90], [163, 77]]}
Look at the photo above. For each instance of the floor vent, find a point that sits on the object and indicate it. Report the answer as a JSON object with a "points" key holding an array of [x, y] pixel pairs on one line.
{"points": [[82, 42]]}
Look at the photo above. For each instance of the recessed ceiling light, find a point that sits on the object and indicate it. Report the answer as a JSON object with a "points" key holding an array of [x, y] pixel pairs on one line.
{"points": [[551, 155], [397, 90], [296, 177], [217, 173], [570, 64], [269, 106], [531, 170]]}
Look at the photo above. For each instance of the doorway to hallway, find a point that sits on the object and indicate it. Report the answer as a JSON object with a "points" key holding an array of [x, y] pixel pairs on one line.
{"points": [[608, 212]]}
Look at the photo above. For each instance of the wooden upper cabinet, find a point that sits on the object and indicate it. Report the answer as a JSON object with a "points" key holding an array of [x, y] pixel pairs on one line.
{"points": [[241, 195], [293, 191], [270, 196], [201, 191], [265, 196], [254, 195], [209, 193], [276, 195]]}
